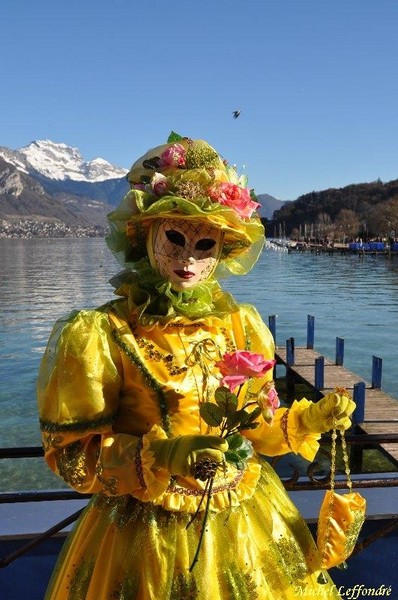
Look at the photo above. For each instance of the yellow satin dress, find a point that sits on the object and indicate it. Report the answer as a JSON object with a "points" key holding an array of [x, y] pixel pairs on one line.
{"points": [[107, 387]]}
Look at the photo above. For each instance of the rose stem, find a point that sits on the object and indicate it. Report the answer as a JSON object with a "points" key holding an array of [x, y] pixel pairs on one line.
{"points": [[205, 491], [195, 560]]}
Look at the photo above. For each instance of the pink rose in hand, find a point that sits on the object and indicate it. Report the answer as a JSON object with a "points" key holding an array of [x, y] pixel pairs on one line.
{"points": [[235, 197], [237, 367], [173, 156]]}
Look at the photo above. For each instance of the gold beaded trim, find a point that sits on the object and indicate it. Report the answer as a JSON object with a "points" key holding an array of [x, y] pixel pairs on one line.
{"points": [[195, 492], [138, 464], [229, 344], [151, 353], [171, 325], [284, 423]]}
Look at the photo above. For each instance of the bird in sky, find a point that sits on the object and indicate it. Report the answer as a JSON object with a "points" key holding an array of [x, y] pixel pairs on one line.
{"points": [[236, 113]]}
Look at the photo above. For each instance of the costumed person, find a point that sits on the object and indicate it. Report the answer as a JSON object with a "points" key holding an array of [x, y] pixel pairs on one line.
{"points": [[161, 404]]}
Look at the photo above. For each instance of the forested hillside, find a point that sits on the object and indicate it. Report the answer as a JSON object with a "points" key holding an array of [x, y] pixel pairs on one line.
{"points": [[364, 210]]}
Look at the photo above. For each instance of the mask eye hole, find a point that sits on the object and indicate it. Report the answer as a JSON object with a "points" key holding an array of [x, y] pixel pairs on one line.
{"points": [[175, 237], [205, 244]]}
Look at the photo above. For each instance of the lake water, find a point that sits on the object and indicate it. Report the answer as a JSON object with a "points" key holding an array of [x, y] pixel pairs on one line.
{"points": [[42, 279]]}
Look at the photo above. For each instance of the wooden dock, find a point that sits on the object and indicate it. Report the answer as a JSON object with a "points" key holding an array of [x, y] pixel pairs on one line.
{"points": [[377, 412]]}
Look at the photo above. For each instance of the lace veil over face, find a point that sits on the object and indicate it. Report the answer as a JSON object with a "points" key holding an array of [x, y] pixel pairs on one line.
{"points": [[184, 252]]}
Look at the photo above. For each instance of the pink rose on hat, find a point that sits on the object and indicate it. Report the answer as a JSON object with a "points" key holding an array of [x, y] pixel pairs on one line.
{"points": [[234, 196], [159, 184], [173, 156]]}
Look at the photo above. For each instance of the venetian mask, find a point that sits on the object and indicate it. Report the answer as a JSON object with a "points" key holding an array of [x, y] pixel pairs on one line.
{"points": [[184, 251]]}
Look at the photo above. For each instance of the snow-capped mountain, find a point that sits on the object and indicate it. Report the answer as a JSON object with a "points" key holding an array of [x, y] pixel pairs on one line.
{"points": [[48, 181], [60, 162]]}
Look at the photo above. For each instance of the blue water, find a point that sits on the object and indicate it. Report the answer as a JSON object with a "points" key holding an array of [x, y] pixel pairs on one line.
{"points": [[42, 279]]}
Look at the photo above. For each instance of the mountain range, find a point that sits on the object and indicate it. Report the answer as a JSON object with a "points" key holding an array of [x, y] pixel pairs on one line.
{"points": [[49, 182]]}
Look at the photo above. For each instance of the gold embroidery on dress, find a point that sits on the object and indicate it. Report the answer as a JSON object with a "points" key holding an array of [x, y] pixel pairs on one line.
{"points": [[121, 510], [184, 588], [231, 485], [230, 346], [80, 582], [241, 585], [71, 463], [250, 334], [152, 354], [110, 483], [293, 558], [126, 589], [52, 440]]}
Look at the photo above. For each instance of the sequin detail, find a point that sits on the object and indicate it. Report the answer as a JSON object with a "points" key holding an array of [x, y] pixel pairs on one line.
{"points": [[92, 424], [184, 588], [241, 585], [284, 426], [195, 492], [354, 531], [80, 581], [138, 463], [110, 483], [151, 353], [293, 558], [52, 441], [71, 463], [151, 381], [126, 590], [230, 346]]}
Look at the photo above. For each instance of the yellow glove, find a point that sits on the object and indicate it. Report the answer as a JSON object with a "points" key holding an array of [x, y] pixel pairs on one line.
{"points": [[333, 410], [178, 455]]}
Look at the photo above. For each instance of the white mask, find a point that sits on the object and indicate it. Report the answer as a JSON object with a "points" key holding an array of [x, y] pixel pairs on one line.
{"points": [[184, 251]]}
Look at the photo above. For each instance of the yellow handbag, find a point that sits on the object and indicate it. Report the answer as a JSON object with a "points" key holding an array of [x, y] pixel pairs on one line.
{"points": [[341, 516]]}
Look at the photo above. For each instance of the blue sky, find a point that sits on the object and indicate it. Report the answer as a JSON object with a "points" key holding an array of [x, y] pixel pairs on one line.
{"points": [[316, 81]]}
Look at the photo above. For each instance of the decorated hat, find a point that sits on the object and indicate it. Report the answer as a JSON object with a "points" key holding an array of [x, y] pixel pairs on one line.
{"points": [[187, 179]]}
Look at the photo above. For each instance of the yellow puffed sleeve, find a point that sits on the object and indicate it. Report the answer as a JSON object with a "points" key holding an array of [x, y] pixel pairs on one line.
{"points": [[80, 387], [283, 435]]}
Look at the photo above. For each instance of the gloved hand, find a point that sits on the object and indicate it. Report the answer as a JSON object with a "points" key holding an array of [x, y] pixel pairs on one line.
{"points": [[333, 410], [178, 455]]}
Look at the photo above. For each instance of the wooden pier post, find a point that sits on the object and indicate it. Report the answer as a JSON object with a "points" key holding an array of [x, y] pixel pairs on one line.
{"points": [[356, 451], [339, 351], [377, 364], [359, 399], [310, 332], [290, 352], [272, 325], [290, 378], [319, 376]]}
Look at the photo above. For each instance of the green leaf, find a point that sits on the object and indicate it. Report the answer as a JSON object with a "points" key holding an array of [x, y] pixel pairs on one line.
{"points": [[174, 137], [233, 421], [234, 441], [227, 401], [211, 414], [249, 426], [240, 449], [248, 419], [254, 414], [238, 419], [234, 459]]}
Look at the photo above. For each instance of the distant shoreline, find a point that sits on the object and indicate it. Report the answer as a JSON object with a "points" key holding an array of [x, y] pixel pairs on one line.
{"points": [[28, 228]]}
